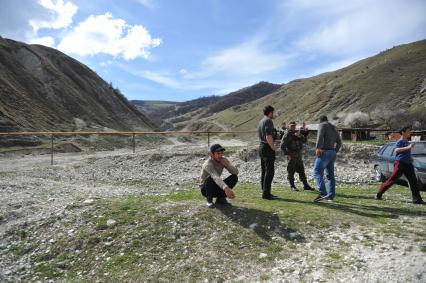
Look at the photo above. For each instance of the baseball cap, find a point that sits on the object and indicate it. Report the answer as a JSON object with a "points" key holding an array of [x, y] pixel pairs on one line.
{"points": [[216, 148]]}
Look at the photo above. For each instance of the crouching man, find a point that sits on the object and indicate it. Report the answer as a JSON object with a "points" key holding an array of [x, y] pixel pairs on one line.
{"points": [[212, 186]]}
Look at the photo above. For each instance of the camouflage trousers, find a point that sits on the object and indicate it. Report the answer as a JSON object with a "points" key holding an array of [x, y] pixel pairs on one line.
{"points": [[294, 165]]}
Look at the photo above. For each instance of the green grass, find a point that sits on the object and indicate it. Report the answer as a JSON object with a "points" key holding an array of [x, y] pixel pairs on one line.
{"points": [[175, 238]]}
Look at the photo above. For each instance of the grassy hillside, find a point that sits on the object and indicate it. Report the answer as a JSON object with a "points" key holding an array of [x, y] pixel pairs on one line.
{"points": [[378, 89]]}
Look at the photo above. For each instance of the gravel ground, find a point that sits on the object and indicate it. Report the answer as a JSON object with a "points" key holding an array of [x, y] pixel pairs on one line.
{"points": [[32, 190]]}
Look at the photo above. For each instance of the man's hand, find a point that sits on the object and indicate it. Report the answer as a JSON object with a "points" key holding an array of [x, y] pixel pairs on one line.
{"points": [[225, 162], [412, 145], [229, 193], [318, 151]]}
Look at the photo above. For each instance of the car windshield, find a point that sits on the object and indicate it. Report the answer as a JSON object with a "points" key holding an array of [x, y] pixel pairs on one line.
{"points": [[419, 149]]}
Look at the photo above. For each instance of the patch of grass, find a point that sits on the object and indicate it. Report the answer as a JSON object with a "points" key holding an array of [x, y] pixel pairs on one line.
{"points": [[175, 238]]}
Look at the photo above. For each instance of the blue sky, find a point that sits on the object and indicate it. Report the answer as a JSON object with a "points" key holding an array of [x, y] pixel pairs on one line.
{"points": [[181, 50]]}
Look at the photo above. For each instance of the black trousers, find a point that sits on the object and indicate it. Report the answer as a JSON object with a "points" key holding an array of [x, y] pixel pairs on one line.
{"points": [[293, 166], [268, 171], [400, 168], [211, 190]]}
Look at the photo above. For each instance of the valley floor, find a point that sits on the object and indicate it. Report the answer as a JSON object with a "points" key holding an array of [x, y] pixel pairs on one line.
{"points": [[114, 216]]}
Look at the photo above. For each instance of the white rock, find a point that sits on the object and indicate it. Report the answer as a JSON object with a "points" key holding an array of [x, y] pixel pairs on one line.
{"points": [[111, 222], [262, 255], [88, 201], [253, 225]]}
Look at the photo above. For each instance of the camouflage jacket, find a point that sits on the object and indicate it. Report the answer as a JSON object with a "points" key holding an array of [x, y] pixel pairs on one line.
{"points": [[292, 144]]}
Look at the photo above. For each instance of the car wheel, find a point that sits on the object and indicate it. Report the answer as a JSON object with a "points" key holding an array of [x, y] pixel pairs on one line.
{"points": [[379, 176]]}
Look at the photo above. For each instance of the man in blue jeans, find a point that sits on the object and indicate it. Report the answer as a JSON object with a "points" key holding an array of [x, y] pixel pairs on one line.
{"points": [[327, 145]]}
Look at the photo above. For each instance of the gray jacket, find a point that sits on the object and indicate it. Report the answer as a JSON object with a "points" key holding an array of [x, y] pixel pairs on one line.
{"points": [[214, 169], [328, 137]]}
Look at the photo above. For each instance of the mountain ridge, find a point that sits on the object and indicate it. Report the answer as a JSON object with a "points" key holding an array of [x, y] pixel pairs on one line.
{"points": [[384, 90]]}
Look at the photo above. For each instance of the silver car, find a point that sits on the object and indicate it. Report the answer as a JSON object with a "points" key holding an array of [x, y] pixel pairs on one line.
{"points": [[384, 159]]}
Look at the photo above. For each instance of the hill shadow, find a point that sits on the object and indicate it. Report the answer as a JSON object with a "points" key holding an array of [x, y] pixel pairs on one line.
{"points": [[264, 224]]}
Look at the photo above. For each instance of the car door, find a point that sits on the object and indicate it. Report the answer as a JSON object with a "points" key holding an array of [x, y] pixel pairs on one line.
{"points": [[388, 160], [382, 161]]}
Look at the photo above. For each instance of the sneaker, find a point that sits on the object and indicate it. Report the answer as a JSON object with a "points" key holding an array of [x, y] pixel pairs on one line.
{"points": [[379, 196], [294, 189], [319, 198], [222, 201], [209, 204], [420, 202], [329, 199]]}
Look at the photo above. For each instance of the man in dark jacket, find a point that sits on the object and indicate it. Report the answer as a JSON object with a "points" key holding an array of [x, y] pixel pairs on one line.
{"points": [[266, 133], [327, 146], [292, 146]]}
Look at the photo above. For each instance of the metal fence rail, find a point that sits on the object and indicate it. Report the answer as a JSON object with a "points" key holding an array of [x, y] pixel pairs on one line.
{"points": [[52, 135]]}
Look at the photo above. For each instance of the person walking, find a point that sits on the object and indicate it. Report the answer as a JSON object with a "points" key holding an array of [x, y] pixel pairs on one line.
{"points": [[266, 133], [327, 145], [212, 186], [292, 146], [403, 165]]}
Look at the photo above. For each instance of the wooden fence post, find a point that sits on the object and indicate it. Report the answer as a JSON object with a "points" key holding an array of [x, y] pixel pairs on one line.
{"points": [[51, 149], [208, 139], [134, 143]]}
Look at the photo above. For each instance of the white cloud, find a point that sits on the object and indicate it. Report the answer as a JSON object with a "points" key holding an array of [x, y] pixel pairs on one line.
{"points": [[336, 65], [59, 15], [246, 59], [348, 28], [46, 40], [22, 20], [105, 34]]}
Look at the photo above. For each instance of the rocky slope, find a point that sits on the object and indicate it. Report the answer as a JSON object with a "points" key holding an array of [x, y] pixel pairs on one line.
{"points": [[43, 89]]}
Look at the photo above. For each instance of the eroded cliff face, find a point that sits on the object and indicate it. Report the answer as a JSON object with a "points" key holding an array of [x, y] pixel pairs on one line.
{"points": [[44, 89]]}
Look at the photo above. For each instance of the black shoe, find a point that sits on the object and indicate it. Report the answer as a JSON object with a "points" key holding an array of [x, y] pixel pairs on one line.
{"points": [[294, 189], [269, 197], [379, 196], [329, 199], [308, 188], [319, 198], [222, 201], [419, 202]]}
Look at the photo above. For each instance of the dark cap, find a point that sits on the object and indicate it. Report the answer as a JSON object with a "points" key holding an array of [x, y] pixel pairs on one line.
{"points": [[292, 123], [323, 118], [216, 148]]}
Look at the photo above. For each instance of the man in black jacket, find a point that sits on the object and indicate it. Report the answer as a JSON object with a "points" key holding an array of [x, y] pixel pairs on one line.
{"points": [[292, 146]]}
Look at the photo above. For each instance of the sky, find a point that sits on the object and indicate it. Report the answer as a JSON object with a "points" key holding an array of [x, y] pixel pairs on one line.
{"points": [[181, 50]]}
